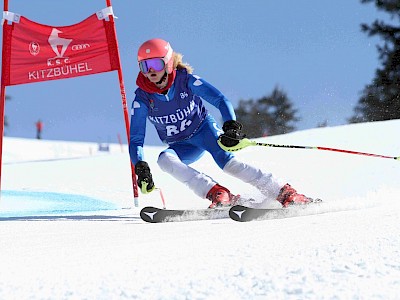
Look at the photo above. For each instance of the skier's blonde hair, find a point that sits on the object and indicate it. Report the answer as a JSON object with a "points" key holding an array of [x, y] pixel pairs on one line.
{"points": [[179, 64]]}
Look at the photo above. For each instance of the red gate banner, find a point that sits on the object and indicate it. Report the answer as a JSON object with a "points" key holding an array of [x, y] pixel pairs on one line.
{"points": [[33, 52]]}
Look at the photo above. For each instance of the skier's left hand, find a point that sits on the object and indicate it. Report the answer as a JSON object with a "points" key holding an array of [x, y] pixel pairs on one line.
{"points": [[145, 179], [232, 133]]}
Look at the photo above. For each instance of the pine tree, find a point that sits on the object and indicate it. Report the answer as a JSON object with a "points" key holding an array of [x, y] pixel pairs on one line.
{"points": [[380, 100], [269, 115]]}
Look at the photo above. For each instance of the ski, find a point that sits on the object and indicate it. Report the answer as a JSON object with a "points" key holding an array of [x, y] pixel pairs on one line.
{"points": [[242, 213], [158, 215]]}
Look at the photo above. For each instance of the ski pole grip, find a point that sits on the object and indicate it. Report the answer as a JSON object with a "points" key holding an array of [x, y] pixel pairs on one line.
{"points": [[241, 145]]}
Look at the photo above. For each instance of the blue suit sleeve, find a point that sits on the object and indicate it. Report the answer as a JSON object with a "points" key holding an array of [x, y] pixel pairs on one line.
{"points": [[139, 113], [213, 96]]}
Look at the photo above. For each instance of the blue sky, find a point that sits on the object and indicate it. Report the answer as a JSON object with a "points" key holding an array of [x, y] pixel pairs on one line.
{"points": [[313, 49]]}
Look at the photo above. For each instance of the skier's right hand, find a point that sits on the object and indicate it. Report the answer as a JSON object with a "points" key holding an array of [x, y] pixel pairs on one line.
{"points": [[232, 133], [145, 180]]}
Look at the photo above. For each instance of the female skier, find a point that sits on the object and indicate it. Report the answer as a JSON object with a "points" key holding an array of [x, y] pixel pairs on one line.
{"points": [[172, 99]]}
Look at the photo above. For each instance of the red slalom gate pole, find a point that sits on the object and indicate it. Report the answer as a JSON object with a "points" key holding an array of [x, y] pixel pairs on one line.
{"points": [[125, 111], [2, 96]]}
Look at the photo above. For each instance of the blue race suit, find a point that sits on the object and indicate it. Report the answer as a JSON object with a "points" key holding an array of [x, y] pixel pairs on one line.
{"points": [[181, 119]]}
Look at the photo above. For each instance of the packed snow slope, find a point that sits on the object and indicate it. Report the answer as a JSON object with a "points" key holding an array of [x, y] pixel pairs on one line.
{"points": [[69, 229]]}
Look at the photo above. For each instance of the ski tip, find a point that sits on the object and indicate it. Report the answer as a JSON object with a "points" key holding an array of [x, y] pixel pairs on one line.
{"points": [[147, 214], [236, 212]]}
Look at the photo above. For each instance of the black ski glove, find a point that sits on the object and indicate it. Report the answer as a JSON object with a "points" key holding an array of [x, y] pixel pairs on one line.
{"points": [[145, 180], [232, 133]]}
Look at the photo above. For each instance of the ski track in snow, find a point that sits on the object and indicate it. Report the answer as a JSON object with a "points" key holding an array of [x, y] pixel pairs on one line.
{"points": [[69, 230]]}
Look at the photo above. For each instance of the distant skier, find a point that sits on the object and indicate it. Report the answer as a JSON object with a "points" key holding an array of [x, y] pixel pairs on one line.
{"points": [[39, 128], [172, 99]]}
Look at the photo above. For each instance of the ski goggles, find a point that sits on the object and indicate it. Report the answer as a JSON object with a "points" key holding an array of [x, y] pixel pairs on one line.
{"points": [[157, 64]]}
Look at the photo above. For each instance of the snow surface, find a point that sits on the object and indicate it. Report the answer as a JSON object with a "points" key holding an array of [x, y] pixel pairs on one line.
{"points": [[69, 229]]}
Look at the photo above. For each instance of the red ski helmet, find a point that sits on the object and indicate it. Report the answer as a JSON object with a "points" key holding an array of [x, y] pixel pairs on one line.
{"points": [[157, 48]]}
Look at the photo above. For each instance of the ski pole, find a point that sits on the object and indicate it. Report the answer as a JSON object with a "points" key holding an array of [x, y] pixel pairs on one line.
{"points": [[145, 191], [246, 143], [162, 197]]}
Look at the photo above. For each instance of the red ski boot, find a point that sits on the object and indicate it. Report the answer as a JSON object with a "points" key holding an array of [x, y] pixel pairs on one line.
{"points": [[220, 196], [289, 196]]}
